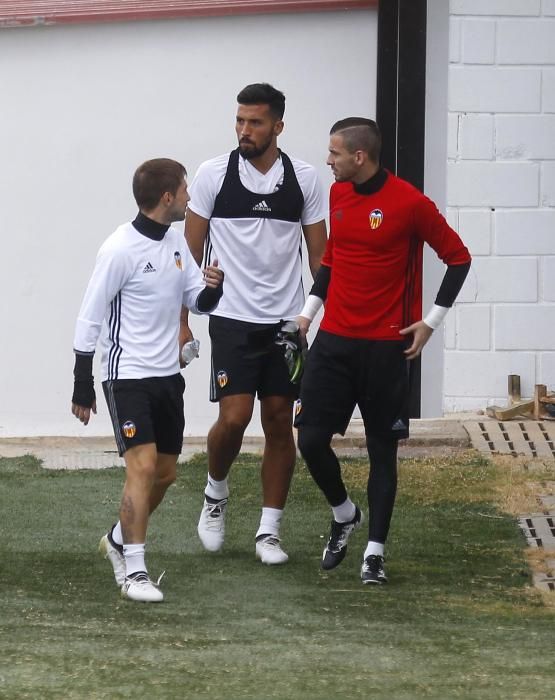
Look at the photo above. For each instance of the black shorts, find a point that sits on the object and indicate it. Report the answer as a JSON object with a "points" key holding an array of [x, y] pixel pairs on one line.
{"points": [[147, 410], [245, 360], [343, 372]]}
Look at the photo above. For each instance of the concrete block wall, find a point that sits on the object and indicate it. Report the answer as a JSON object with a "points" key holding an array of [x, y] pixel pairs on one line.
{"points": [[501, 198]]}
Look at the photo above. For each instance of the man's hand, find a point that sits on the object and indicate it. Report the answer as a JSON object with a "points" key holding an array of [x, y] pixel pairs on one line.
{"points": [[82, 413], [421, 333], [213, 276], [304, 324], [185, 333]]}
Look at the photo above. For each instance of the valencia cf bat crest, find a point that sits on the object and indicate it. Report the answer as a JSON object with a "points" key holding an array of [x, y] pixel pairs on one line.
{"points": [[129, 429], [177, 258], [376, 218], [222, 378]]}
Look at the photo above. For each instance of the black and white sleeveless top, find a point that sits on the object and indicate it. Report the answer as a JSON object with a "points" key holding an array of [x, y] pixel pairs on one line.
{"points": [[255, 232]]}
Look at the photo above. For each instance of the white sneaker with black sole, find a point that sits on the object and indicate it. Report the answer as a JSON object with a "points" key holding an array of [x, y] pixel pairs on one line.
{"points": [[140, 588], [114, 555], [269, 551], [211, 524]]}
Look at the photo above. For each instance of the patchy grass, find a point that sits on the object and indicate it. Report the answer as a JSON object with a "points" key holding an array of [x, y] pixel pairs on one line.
{"points": [[458, 620]]}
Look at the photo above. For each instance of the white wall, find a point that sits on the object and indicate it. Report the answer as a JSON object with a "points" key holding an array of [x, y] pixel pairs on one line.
{"points": [[435, 180], [82, 106], [501, 197]]}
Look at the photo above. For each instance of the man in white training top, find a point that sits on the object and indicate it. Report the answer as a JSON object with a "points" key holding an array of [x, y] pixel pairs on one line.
{"points": [[144, 272]]}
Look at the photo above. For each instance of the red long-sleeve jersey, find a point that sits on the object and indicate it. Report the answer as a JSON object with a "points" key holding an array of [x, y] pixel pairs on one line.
{"points": [[375, 255]]}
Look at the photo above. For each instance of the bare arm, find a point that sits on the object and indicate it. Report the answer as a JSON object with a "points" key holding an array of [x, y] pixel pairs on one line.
{"points": [[316, 239], [196, 230]]}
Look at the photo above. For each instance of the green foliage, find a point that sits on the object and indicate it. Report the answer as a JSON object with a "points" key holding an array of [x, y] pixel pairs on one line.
{"points": [[458, 619]]}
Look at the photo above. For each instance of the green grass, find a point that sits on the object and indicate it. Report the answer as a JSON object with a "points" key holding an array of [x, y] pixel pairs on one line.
{"points": [[459, 618]]}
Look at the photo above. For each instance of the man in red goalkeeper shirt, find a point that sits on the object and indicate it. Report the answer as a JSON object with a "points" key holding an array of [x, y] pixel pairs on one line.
{"points": [[371, 282]]}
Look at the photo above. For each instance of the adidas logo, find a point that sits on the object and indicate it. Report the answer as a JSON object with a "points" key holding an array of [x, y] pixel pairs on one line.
{"points": [[261, 206], [399, 425], [149, 268]]}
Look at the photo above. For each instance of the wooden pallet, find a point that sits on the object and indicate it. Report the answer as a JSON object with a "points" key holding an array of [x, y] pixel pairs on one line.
{"points": [[517, 406]]}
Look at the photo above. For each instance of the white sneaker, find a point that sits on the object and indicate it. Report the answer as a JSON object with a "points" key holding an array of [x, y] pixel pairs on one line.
{"points": [[269, 551], [139, 587], [115, 557], [211, 525]]}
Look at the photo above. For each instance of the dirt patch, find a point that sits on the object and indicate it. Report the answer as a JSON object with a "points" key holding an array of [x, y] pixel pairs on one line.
{"points": [[521, 484]]}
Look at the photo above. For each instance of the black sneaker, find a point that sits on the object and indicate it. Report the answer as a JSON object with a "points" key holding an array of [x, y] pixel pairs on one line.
{"points": [[336, 548], [372, 570]]}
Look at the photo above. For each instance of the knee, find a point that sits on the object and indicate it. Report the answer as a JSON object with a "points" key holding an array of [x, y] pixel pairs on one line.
{"points": [[235, 413], [382, 453], [142, 470], [278, 428], [312, 441], [384, 448], [167, 479], [234, 424], [141, 463]]}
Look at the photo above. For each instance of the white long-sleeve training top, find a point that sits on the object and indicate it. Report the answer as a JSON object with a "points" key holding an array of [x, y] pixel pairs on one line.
{"points": [[134, 300]]}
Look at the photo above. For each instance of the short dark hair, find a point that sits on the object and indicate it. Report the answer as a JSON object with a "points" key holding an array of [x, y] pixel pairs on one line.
{"points": [[263, 94], [360, 134], [155, 177]]}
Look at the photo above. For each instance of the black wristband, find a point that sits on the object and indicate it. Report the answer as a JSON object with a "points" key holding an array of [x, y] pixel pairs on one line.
{"points": [[83, 385], [83, 393], [83, 366], [209, 297]]}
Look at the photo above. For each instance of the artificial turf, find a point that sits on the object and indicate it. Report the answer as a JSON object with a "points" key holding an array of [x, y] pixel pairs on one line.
{"points": [[459, 618]]}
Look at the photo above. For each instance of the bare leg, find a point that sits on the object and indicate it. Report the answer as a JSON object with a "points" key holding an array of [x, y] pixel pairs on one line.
{"points": [[140, 465], [278, 462], [148, 477], [165, 477], [226, 435]]}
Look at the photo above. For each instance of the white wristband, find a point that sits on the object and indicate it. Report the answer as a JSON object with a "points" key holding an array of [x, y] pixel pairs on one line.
{"points": [[311, 306], [435, 316]]}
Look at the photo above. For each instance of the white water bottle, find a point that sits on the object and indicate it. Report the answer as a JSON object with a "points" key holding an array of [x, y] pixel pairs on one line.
{"points": [[190, 351]]}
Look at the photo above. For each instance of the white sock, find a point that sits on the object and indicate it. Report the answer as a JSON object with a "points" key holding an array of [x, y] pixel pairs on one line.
{"points": [[270, 522], [216, 489], [373, 548], [134, 558], [345, 512], [117, 534]]}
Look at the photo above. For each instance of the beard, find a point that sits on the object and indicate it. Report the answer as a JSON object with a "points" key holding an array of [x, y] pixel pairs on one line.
{"points": [[249, 151], [346, 174]]}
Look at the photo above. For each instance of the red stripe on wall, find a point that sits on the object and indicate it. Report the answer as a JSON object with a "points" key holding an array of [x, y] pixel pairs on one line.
{"points": [[21, 13]]}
